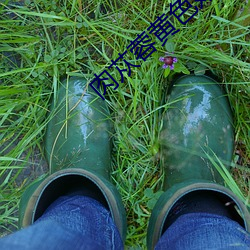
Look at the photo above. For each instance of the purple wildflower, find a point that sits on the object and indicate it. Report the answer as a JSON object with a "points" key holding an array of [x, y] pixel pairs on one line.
{"points": [[169, 61]]}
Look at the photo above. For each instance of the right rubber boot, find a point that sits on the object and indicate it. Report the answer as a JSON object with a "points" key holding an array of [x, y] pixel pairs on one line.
{"points": [[197, 125]]}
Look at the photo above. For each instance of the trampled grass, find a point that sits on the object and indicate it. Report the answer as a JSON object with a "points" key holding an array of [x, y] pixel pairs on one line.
{"points": [[43, 42]]}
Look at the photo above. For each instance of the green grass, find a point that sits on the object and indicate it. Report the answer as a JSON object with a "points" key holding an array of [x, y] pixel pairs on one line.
{"points": [[55, 39]]}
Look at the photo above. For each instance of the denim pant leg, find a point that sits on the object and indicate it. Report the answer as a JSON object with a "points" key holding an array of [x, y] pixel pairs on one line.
{"points": [[204, 231], [76, 222]]}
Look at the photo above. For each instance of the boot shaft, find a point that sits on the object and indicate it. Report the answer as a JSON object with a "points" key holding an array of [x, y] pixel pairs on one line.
{"points": [[197, 122]]}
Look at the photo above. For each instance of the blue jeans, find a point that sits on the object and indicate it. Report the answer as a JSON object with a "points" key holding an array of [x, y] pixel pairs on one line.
{"points": [[70, 223], [80, 222], [204, 231]]}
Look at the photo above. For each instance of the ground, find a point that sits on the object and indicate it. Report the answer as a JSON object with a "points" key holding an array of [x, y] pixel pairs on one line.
{"points": [[44, 41]]}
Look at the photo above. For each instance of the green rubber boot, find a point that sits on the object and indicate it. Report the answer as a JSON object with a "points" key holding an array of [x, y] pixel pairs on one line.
{"points": [[78, 149], [198, 123]]}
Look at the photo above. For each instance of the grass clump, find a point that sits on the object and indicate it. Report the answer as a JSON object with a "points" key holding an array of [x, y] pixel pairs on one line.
{"points": [[43, 42]]}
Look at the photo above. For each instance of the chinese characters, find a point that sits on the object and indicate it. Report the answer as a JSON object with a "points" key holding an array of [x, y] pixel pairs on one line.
{"points": [[142, 46]]}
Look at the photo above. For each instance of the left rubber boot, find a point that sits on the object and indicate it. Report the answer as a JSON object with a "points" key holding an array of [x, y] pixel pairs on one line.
{"points": [[196, 126], [78, 150]]}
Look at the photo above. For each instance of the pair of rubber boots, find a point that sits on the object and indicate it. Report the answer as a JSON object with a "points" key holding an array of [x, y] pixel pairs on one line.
{"points": [[197, 127]]}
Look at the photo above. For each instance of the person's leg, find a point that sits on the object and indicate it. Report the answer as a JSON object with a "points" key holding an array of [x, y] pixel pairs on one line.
{"points": [[78, 149], [204, 231], [71, 222], [197, 136]]}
